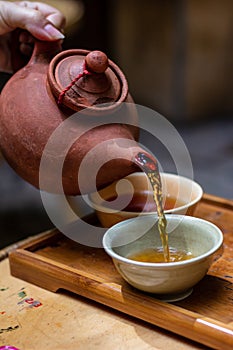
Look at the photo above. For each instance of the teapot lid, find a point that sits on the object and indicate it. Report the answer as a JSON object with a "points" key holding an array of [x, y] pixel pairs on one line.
{"points": [[81, 79]]}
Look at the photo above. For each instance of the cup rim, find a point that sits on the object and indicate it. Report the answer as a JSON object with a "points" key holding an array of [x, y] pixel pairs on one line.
{"points": [[99, 207], [109, 250]]}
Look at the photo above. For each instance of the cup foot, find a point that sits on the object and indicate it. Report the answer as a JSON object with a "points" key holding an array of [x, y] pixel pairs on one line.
{"points": [[170, 298]]}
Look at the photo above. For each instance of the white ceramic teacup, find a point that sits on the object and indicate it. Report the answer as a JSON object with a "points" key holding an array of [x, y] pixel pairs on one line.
{"points": [[170, 280]]}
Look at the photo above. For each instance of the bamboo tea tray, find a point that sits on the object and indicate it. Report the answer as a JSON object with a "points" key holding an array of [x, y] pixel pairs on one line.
{"points": [[54, 262]]}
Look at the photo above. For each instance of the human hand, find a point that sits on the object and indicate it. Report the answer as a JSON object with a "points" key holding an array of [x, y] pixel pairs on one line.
{"points": [[36, 19]]}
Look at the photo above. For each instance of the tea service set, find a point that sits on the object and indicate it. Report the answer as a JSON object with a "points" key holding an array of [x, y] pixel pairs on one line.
{"points": [[50, 89]]}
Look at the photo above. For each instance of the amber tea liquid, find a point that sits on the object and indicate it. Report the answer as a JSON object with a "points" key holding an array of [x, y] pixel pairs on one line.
{"points": [[151, 255], [139, 203]]}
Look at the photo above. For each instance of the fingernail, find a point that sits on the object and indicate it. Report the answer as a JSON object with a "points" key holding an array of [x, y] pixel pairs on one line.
{"points": [[53, 32]]}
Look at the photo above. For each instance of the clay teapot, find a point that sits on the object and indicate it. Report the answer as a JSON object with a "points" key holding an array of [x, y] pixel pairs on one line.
{"points": [[52, 87]]}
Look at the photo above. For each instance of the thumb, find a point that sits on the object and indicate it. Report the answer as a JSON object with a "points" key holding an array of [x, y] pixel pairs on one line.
{"points": [[32, 20]]}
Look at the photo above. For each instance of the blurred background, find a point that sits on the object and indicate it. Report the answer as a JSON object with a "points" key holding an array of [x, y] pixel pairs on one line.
{"points": [[177, 58]]}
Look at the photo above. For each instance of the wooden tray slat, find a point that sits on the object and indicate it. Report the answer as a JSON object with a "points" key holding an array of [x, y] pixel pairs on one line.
{"points": [[54, 262]]}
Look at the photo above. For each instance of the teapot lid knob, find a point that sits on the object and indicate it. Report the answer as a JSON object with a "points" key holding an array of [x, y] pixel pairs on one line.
{"points": [[96, 61]]}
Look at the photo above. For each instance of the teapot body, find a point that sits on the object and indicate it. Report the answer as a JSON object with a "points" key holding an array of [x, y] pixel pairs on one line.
{"points": [[30, 116]]}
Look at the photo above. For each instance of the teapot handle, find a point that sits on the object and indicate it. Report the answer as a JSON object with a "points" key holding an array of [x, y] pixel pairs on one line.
{"points": [[43, 51], [18, 60]]}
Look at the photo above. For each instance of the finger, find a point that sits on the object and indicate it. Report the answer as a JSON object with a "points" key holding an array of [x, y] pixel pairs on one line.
{"points": [[50, 13], [26, 37], [26, 49], [33, 20], [56, 20]]}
